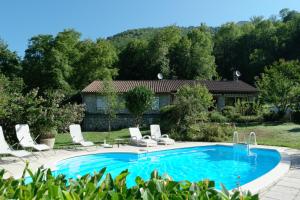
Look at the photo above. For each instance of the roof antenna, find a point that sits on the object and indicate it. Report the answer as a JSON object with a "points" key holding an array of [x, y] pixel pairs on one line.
{"points": [[160, 76], [236, 75]]}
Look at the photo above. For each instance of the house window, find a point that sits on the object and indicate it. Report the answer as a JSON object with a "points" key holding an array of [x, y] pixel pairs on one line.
{"points": [[155, 104], [100, 103]]}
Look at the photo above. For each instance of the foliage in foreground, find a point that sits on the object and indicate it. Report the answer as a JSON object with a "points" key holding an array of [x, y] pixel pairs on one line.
{"points": [[46, 186]]}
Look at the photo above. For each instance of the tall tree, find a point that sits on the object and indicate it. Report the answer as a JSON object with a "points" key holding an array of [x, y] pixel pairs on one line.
{"points": [[112, 103], [96, 62], [9, 61], [159, 51], [192, 57], [226, 40], [48, 60], [279, 85], [133, 61]]}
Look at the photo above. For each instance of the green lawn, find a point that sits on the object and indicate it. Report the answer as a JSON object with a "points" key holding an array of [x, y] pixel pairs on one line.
{"points": [[287, 134], [64, 140]]}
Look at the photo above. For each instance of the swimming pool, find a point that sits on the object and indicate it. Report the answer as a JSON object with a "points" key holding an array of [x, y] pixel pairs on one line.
{"points": [[230, 165]]}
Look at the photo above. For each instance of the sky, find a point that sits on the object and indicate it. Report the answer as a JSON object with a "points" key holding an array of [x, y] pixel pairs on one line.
{"points": [[22, 19]]}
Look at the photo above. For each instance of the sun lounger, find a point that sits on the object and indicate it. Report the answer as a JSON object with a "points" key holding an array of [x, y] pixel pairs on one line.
{"points": [[25, 139], [138, 139], [5, 149], [157, 136], [77, 138]]}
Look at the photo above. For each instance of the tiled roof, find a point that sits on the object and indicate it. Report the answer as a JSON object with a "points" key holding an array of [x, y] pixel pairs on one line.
{"points": [[167, 86]]}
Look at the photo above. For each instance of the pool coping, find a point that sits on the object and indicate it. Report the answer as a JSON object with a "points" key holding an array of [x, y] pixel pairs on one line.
{"points": [[258, 185]]}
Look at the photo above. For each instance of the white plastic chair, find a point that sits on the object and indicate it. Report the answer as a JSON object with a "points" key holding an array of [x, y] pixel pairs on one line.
{"points": [[157, 136], [138, 139], [6, 149], [77, 138], [25, 139]]}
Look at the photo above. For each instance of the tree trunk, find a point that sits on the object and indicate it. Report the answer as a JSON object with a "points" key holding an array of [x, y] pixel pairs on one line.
{"points": [[109, 125]]}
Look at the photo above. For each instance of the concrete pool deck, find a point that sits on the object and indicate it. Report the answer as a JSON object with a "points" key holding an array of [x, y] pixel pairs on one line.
{"points": [[283, 182]]}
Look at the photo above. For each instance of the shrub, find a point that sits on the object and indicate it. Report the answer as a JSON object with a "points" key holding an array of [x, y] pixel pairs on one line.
{"points": [[215, 116], [249, 119], [209, 132], [100, 186], [138, 101], [45, 113], [169, 118], [296, 116], [192, 104], [230, 112], [272, 116]]}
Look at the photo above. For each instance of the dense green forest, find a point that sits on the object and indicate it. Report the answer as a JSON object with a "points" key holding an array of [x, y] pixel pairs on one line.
{"points": [[68, 62]]}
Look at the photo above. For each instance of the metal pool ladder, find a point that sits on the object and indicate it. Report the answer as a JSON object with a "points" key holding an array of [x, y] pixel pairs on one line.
{"points": [[252, 139], [235, 137]]}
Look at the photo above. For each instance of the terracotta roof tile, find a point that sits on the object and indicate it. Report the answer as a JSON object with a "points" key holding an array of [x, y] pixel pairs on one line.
{"points": [[167, 86]]}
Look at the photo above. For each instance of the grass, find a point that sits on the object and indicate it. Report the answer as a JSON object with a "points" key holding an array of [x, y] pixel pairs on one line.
{"points": [[285, 134], [64, 139]]}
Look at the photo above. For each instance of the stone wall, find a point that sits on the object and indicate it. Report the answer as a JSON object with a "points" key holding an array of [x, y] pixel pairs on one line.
{"points": [[90, 102], [99, 122], [95, 120]]}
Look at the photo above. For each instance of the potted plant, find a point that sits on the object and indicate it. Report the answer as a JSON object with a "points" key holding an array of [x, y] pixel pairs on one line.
{"points": [[49, 118], [47, 136], [54, 115]]}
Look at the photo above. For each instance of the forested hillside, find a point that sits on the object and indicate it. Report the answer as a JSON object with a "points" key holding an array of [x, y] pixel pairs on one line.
{"points": [[68, 62]]}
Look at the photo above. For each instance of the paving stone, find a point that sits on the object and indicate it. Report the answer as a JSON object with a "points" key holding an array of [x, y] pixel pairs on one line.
{"points": [[297, 197], [280, 196], [293, 173], [291, 179], [289, 184], [266, 198], [283, 190]]}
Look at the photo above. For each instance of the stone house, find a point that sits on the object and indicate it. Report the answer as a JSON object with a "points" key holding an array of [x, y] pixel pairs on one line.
{"points": [[224, 93]]}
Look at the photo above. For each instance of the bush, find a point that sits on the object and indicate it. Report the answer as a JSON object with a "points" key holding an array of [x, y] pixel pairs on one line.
{"points": [[272, 116], [249, 119], [217, 117], [169, 117], [192, 104], [138, 101], [296, 117], [230, 112], [46, 186], [45, 113], [209, 132]]}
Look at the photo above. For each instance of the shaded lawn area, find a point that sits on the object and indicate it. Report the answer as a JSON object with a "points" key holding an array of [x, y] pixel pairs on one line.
{"points": [[285, 134], [65, 140]]}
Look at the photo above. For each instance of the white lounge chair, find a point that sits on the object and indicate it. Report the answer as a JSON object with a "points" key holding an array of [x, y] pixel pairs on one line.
{"points": [[157, 136], [138, 139], [6, 149], [25, 139], [77, 138]]}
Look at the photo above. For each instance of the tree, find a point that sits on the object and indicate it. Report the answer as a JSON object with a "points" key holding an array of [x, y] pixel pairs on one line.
{"points": [[226, 40], [279, 85], [192, 102], [133, 61], [138, 101], [112, 103], [96, 62], [48, 60], [192, 57], [159, 51], [9, 61]]}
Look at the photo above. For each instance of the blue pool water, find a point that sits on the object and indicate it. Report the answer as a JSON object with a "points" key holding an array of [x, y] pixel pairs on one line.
{"points": [[223, 164]]}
